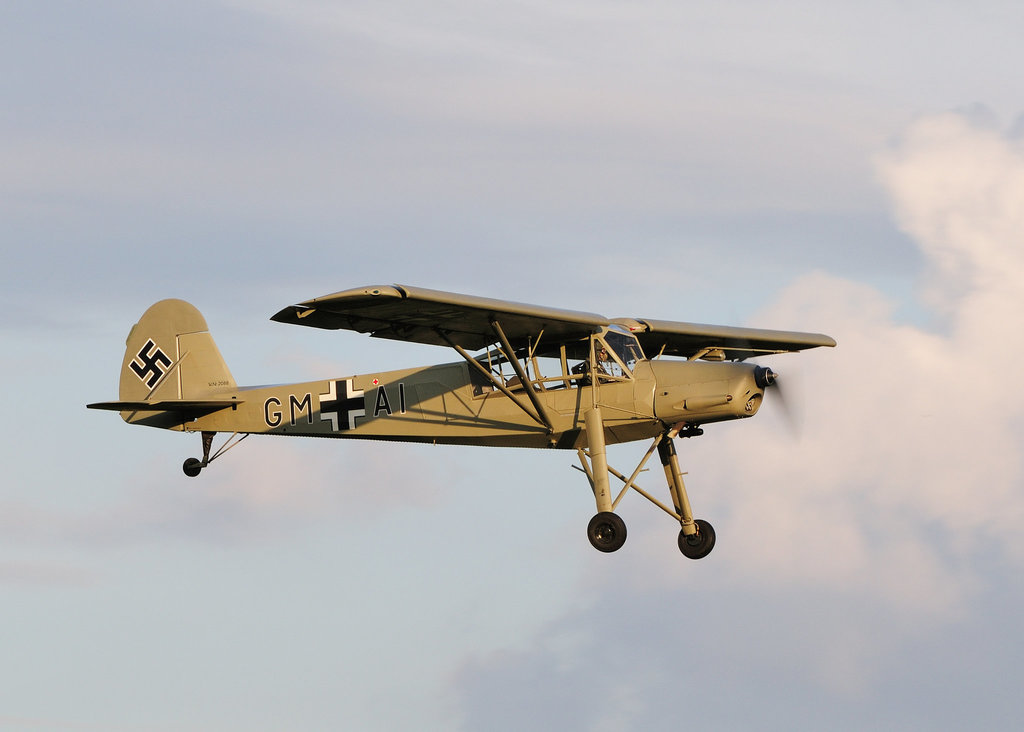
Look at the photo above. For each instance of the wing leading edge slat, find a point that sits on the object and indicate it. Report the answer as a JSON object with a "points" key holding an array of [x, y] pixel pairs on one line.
{"points": [[416, 314], [673, 338], [420, 315]]}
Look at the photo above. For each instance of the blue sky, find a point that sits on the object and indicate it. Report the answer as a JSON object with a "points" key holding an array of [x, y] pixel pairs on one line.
{"points": [[856, 171]]}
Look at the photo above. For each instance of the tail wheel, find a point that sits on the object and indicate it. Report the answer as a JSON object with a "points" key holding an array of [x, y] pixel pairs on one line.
{"points": [[699, 545], [192, 467], [607, 532]]}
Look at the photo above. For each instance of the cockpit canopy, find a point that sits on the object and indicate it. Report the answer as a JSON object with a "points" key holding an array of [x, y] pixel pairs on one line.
{"points": [[624, 345]]}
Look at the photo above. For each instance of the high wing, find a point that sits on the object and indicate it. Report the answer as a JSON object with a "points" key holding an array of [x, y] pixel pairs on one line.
{"points": [[720, 342], [438, 318], [419, 315]]}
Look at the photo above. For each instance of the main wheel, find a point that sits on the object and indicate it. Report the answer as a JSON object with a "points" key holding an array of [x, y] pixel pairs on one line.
{"points": [[192, 467], [607, 532], [699, 545]]}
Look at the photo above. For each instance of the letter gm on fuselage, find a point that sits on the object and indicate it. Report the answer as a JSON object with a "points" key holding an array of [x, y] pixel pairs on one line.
{"points": [[273, 413]]}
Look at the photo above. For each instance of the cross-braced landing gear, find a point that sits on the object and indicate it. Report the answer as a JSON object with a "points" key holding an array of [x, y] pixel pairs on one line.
{"points": [[606, 531], [193, 466]]}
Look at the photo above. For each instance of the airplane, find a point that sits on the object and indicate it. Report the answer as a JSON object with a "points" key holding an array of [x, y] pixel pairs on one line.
{"points": [[528, 376]]}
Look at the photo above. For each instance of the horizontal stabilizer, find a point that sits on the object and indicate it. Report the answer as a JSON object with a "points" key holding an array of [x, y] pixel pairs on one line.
{"points": [[184, 407]]}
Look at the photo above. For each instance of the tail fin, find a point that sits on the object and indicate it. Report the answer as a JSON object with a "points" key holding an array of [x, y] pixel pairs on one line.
{"points": [[170, 355]]}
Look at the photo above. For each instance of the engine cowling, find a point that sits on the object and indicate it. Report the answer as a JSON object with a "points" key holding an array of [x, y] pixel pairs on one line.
{"points": [[699, 392]]}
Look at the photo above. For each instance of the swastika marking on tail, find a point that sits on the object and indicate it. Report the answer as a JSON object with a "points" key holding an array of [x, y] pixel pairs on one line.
{"points": [[150, 363]]}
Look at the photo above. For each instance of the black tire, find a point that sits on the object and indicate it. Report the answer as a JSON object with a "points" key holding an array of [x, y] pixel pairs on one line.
{"points": [[699, 545], [607, 532], [192, 467]]}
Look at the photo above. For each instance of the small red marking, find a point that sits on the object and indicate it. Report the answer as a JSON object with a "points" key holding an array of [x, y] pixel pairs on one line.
{"points": [[376, 381]]}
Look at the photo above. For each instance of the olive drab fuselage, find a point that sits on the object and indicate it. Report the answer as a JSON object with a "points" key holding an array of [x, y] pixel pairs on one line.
{"points": [[442, 404]]}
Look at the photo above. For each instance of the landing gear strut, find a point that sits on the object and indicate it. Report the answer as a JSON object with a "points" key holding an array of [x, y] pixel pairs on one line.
{"points": [[606, 531], [193, 466], [697, 536]]}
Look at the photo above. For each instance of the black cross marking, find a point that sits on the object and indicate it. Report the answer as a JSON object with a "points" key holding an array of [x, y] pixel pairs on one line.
{"points": [[342, 409], [152, 363]]}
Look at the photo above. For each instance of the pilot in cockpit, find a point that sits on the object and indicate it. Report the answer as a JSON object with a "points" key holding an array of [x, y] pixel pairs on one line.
{"points": [[601, 365]]}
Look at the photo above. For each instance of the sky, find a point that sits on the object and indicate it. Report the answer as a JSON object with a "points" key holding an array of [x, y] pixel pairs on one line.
{"points": [[854, 170]]}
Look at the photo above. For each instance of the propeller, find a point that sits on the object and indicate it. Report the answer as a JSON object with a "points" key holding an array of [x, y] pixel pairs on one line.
{"points": [[764, 377]]}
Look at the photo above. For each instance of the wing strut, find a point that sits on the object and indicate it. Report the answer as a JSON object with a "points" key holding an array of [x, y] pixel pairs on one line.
{"points": [[496, 383], [521, 373]]}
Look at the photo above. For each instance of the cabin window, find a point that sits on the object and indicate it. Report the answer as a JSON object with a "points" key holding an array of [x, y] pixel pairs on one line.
{"points": [[543, 370], [626, 348], [614, 356]]}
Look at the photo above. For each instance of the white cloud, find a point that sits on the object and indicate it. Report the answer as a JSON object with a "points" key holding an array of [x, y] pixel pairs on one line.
{"points": [[957, 189], [909, 466]]}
